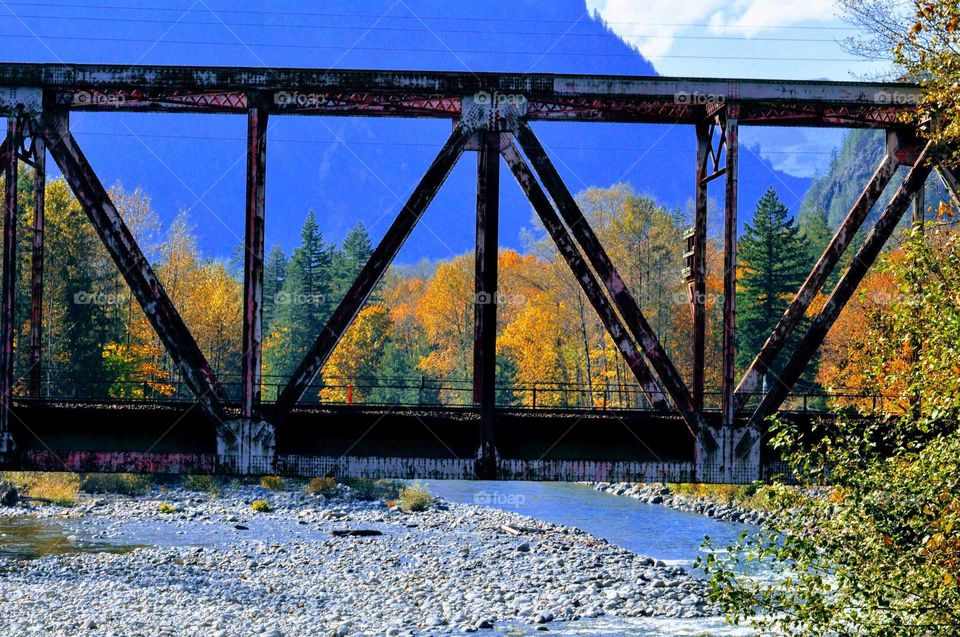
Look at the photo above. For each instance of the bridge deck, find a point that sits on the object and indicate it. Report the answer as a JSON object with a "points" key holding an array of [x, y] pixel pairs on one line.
{"points": [[415, 443]]}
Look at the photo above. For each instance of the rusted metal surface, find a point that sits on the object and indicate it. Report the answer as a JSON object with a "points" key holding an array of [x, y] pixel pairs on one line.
{"points": [[35, 373], [437, 94], [116, 461], [8, 282], [372, 271], [814, 282], [698, 287], [581, 271], [133, 265], [729, 344], [951, 179], [377, 467], [595, 471], [253, 261], [485, 297], [662, 365], [845, 288]]}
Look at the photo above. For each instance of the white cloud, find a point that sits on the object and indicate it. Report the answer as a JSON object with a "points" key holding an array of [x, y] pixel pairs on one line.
{"points": [[652, 25]]}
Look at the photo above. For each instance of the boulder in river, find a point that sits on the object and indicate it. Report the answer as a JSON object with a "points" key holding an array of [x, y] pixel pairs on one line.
{"points": [[8, 494]]}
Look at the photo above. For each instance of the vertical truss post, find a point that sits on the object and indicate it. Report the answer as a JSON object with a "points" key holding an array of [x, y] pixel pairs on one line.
{"points": [[728, 359], [485, 298], [253, 259], [698, 296], [817, 278], [372, 271], [581, 271], [36, 265], [626, 304], [845, 288], [9, 281]]}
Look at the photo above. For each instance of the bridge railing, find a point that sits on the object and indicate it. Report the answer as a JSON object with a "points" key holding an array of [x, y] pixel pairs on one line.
{"points": [[424, 391]]}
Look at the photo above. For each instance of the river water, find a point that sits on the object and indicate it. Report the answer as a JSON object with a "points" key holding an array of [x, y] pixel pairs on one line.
{"points": [[652, 530]]}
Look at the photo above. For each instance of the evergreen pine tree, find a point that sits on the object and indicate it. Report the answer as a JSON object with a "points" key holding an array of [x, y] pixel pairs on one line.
{"points": [[303, 305], [350, 259], [773, 256], [274, 274]]}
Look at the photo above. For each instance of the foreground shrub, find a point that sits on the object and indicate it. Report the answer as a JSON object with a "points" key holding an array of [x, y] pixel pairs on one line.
{"points": [[260, 506], [166, 507], [203, 483], [55, 487], [119, 483], [326, 486], [274, 483], [368, 489], [415, 498]]}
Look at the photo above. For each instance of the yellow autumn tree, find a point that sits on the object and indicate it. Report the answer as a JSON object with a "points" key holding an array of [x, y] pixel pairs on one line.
{"points": [[353, 364]]}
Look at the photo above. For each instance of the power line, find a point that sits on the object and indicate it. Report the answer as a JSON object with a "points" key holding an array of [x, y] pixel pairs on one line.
{"points": [[41, 37], [569, 34], [194, 9]]}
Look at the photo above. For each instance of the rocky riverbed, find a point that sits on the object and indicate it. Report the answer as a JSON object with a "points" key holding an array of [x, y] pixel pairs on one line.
{"points": [[661, 494], [451, 569]]}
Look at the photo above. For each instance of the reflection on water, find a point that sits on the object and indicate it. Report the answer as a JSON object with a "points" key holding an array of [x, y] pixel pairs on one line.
{"points": [[28, 538]]}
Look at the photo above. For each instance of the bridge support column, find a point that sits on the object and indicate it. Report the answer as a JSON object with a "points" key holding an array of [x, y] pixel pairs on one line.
{"points": [[36, 265], [8, 284], [731, 456], [698, 289], [728, 356], [248, 446], [485, 299], [253, 260]]}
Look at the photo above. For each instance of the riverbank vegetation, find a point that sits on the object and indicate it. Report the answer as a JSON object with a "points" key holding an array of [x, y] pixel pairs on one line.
{"points": [[880, 554]]}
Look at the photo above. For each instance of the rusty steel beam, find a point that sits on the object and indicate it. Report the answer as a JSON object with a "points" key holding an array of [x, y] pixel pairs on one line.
{"points": [[134, 267], [485, 298], [845, 288], [581, 272], [948, 175], [698, 289], [831, 256], [432, 93], [36, 266], [8, 282], [372, 271], [729, 345], [250, 372], [662, 366]]}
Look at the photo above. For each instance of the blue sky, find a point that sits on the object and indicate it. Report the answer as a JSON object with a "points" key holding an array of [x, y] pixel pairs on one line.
{"points": [[352, 169]]}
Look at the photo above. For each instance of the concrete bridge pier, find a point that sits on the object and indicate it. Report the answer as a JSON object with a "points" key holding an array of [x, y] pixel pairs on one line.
{"points": [[728, 455], [246, 446]]}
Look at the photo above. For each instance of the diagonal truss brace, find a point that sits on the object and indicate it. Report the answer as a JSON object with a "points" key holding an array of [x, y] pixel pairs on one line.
{"points": [[662, 365], [133, 265], [373, 271], [846, 287], [586, 279], [816, 279]]}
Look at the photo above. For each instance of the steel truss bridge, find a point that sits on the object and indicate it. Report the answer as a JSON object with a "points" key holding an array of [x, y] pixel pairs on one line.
{"points": [[241, 432]]}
